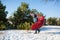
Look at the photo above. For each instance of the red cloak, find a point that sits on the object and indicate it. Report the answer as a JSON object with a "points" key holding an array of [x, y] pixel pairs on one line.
{"points": [[39, 23]]}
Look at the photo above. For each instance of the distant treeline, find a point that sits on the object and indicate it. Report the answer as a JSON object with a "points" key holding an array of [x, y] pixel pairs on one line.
{"points": [[53, 21]]}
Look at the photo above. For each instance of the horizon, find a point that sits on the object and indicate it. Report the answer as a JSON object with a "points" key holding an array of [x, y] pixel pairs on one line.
{"points": [[50, 8]]}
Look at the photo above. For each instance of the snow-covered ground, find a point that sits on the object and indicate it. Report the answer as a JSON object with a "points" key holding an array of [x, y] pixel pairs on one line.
{"points": [[47, 33]]}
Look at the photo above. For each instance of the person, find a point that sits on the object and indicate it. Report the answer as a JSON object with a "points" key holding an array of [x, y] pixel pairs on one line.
{"points": [[34, 17], [39, 23]]}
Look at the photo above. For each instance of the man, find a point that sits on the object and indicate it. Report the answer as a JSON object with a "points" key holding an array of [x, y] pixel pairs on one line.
{"points": [[39, 23]]}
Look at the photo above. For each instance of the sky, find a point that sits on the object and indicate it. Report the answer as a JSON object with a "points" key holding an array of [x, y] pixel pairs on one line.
{"points": [[50, 8]]}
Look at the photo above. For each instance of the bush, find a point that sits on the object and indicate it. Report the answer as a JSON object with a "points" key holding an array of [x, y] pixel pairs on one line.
{"points": [[24, 26], [2, 27]]}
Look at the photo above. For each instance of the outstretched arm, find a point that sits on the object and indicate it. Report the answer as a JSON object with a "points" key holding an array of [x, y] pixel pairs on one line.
{"points": [[32, 14]]}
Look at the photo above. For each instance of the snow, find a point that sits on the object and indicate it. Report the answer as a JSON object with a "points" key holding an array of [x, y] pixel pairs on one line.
{"points": [[47, 33]]}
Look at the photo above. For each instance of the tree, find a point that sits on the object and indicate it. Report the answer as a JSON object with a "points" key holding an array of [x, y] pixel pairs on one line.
{"points": [[58, 22], [52, 21], [49, 21], [21, 15], [34, 11], [3, 14]]}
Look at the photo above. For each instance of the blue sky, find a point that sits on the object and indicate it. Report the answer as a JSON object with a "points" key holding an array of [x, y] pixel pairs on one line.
{"points": [[49, 8]]}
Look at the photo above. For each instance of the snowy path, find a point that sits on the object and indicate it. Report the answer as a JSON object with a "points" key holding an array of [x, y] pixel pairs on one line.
{"points": [[47, 33]]}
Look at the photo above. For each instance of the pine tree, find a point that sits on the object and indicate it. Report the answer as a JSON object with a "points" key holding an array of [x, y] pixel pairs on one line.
{"points": [[3, 14]]}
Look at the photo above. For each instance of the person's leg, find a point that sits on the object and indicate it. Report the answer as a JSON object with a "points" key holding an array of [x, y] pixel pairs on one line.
{"points": [[38, 30]]}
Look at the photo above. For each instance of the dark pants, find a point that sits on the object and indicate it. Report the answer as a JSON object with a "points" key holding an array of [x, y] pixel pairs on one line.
{"points": [[37, 30]]}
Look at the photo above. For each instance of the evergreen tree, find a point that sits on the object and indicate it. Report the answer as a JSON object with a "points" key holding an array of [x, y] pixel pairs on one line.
{"points": [[3, 14], [21, 15]]}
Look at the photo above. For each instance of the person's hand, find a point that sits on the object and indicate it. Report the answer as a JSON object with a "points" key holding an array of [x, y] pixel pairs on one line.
{"points": [[32, 14]]}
